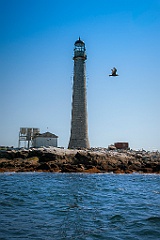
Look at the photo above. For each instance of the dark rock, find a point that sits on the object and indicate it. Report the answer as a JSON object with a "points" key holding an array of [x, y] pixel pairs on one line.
{"points": [[50, 156], [118, 171], [147, 170], [81, 157], [69, 168], [103, 166], [6, 164], [44, 167], [46, 157], [122, 166], [92, 170], [156, 168], [7, 154], [54, 167], [22, 154]]}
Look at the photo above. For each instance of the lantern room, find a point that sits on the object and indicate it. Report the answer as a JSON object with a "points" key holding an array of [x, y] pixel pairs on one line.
{"points": [[79, 50]]}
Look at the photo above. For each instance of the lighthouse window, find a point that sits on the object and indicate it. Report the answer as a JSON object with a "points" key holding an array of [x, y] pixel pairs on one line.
{"points": [[79, 48]]}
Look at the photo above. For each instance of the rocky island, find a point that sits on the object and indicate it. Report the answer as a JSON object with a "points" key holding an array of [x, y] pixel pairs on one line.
{"points": [[94, 160]]}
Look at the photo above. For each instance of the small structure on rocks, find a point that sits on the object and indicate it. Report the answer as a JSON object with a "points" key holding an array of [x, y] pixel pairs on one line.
{"points": [[45, 140], [122, 145], [26, 135]]}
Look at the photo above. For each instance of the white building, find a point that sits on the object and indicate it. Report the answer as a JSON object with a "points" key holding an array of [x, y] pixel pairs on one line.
{"points": [[45, 140]]}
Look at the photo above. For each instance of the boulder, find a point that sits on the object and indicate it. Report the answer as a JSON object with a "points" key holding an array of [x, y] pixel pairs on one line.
{"points": [[54, 167], [111, 147], [69, 168], [92, 170], [44, 167]]}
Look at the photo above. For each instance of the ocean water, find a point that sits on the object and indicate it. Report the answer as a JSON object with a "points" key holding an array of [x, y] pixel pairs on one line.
{"points": [[47, 206]]}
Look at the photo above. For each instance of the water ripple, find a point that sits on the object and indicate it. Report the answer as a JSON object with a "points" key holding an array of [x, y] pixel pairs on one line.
{"points": [[79, 206]]}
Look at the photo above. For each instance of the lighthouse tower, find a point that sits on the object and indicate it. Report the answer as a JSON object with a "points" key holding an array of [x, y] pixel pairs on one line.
{"points": [[79, 123]]}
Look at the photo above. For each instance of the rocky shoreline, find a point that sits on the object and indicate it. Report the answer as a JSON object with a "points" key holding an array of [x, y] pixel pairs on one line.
{"points": [[97, 160]]}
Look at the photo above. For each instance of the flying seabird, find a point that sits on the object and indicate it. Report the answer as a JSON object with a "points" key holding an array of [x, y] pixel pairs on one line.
{"points": [[114, 72]]}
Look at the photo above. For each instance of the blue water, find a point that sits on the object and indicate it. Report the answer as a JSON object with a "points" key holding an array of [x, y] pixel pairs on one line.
{"points": [[47, 206]]}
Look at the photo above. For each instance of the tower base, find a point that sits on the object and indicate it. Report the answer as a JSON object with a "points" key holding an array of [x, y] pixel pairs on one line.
{"points": [[78, 143]]}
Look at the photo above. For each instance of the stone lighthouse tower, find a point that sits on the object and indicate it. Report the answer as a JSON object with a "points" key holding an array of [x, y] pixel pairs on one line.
{"points": [[79, 123]]}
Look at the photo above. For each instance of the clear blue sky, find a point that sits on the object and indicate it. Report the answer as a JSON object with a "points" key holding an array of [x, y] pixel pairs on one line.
{"points": [[36, 69]]}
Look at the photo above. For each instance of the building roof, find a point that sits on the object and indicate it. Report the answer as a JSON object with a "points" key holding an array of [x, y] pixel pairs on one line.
{"points": [[79, 41], [46, 134]]}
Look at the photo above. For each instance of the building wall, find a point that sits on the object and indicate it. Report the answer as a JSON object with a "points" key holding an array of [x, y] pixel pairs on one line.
{"points": [[79, 124], [44, 142]]}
